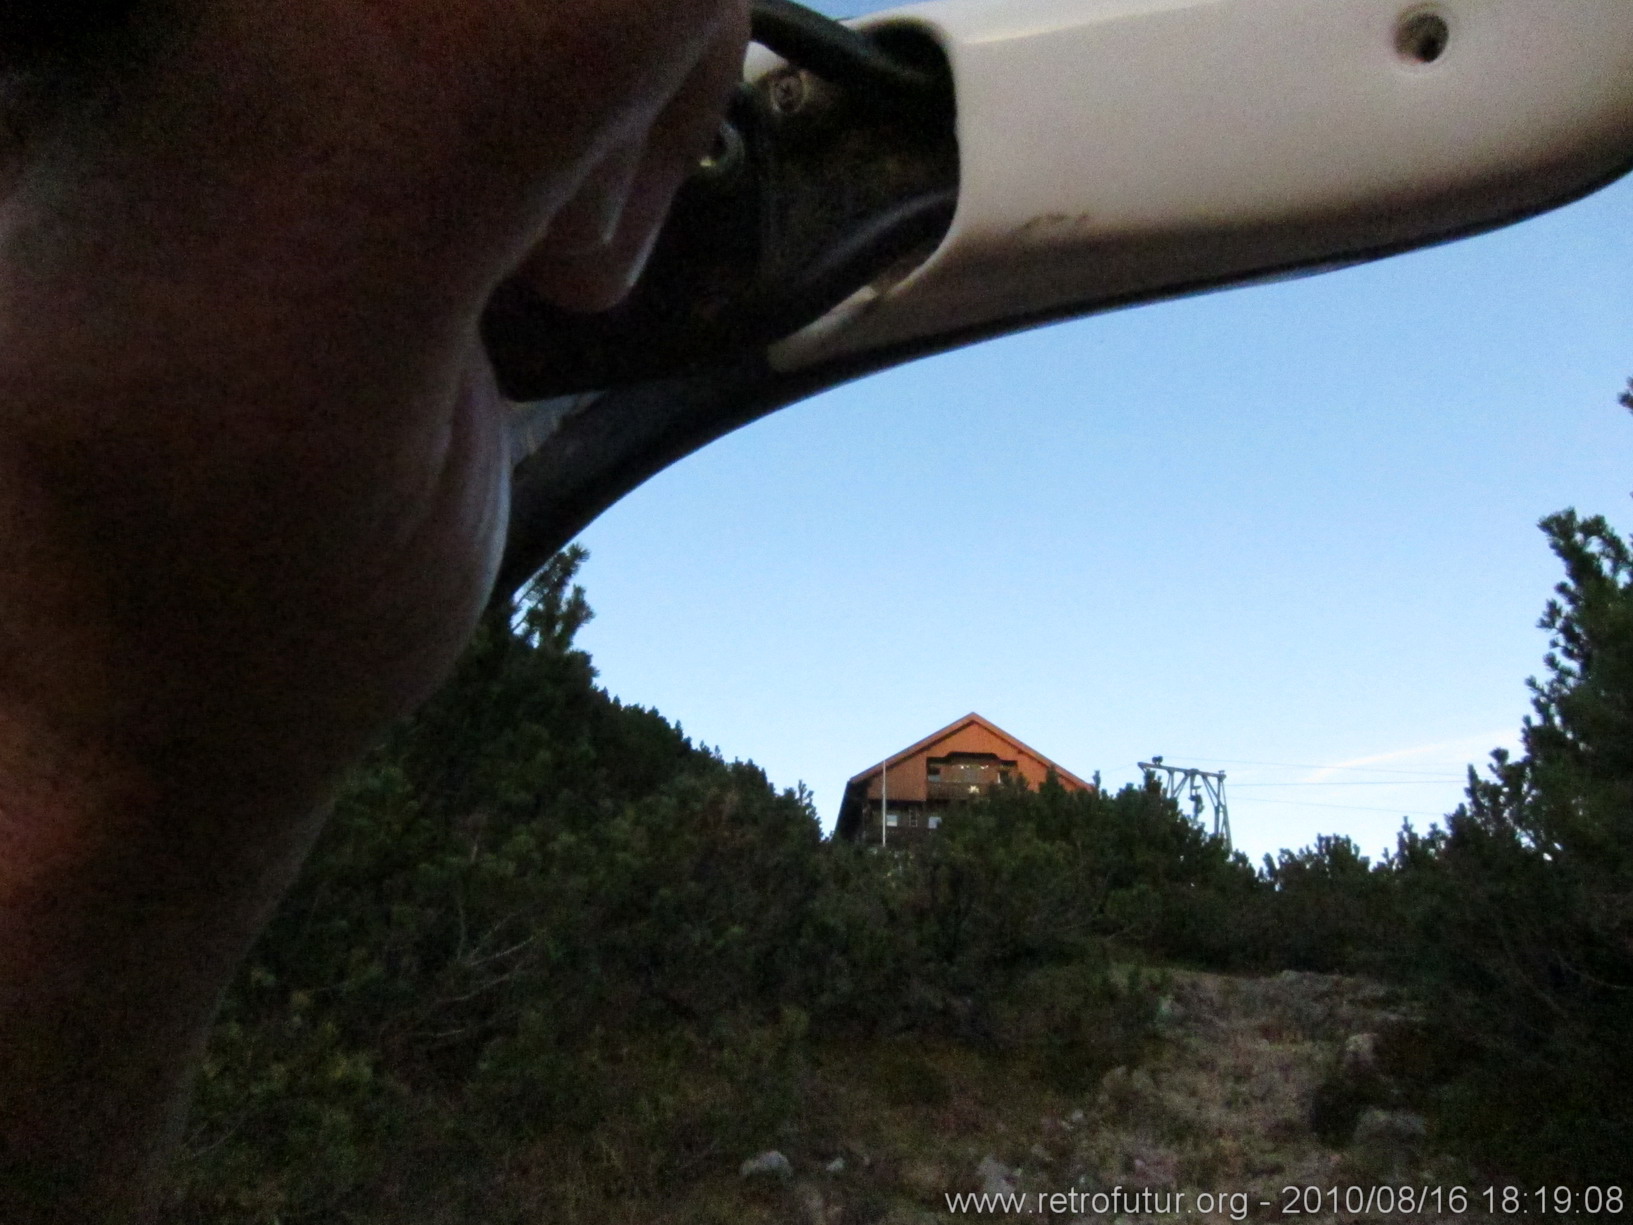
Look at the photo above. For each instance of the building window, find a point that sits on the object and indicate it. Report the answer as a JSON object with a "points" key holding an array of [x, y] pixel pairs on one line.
{"points": [[892, 819], [912, 820], [935, 822]]}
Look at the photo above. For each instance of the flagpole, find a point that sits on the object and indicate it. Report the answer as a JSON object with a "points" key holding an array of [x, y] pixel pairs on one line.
{"points": [[884, 825]]}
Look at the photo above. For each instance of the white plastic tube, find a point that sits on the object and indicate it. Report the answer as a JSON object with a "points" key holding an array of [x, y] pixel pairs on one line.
{"points": [[1115, 151]]}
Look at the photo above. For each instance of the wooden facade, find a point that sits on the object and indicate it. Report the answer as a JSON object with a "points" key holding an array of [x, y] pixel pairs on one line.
{"points": [[962, 760]]}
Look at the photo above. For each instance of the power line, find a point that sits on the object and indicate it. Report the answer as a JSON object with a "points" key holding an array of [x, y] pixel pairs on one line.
{"points": [[1356, 807], [1367, 782], [1304, 765]]}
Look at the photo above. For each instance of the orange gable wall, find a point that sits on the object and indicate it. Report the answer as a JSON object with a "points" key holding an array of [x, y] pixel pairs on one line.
{"points": [[907, 777]]}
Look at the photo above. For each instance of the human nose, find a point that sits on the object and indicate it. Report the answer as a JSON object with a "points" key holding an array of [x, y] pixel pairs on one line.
{"points": [[598, 244]]}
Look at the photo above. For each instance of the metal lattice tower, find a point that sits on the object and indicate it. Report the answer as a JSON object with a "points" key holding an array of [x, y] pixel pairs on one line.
{"points": [[1199, 786]]}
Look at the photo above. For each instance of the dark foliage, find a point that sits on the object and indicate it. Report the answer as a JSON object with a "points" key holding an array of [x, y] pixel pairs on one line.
{"points": [[1522, 910], [546, 947], [1514, 923], [549, 951]]}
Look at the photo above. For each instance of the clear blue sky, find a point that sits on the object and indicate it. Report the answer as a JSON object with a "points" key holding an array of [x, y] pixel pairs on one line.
{"points": [[1287, 531]]}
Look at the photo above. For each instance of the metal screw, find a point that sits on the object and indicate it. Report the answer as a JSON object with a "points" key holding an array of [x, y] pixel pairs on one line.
{"points": [[789, 92]]}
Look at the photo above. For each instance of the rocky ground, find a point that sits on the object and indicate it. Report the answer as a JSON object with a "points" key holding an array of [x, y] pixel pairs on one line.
{"points": [[1261, 1099]]}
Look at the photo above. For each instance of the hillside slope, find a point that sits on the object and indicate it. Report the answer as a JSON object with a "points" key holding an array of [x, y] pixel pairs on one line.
{"points": [[1219, 1122]]}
